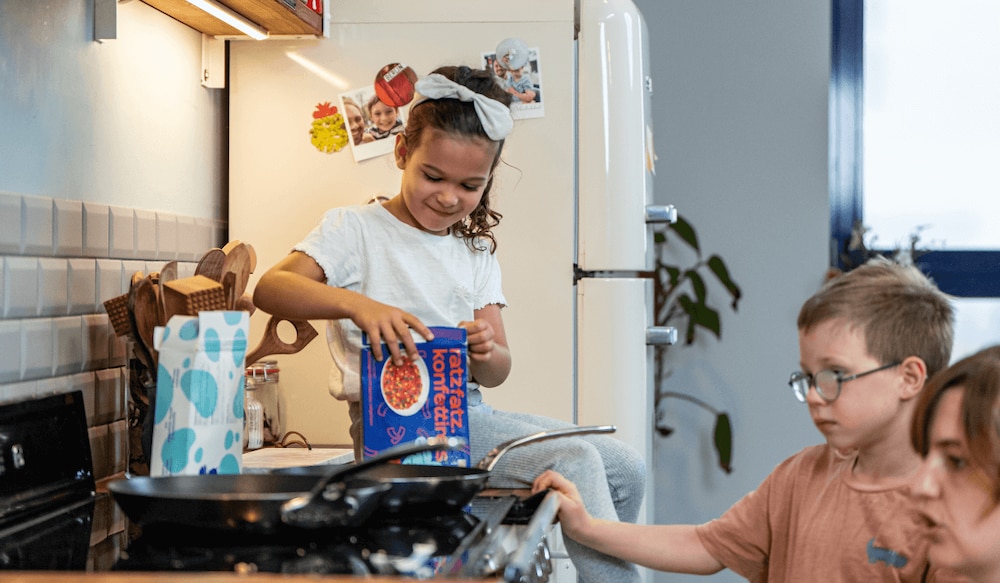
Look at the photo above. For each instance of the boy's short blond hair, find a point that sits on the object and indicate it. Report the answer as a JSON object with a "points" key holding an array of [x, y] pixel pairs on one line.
{"points": [[900, 311]]}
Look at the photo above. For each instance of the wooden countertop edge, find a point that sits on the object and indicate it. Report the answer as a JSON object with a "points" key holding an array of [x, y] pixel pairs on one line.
{"points": [[181, 577]]}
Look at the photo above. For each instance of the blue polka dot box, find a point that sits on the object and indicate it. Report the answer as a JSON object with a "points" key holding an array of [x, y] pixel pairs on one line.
{"points": [[198, 417]]}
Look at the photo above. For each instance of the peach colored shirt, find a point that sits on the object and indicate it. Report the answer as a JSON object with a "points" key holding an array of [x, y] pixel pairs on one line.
{"points": [[808, 521]]}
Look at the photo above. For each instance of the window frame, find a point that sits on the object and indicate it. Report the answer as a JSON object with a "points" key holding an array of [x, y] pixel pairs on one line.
{"points": [[967, 273]]}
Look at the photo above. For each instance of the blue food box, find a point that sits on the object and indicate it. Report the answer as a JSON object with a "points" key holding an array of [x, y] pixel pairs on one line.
{"points": [[419, 399]]}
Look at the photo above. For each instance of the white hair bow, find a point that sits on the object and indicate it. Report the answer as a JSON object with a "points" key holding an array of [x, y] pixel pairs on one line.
{"points": [[495, 116]]}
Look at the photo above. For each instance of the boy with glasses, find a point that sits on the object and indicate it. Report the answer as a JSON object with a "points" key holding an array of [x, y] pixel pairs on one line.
{"points": [[868, 340]]}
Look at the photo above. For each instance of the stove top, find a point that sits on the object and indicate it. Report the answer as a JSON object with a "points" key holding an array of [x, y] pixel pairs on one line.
{"points": [[47, 503], [412, 546]]}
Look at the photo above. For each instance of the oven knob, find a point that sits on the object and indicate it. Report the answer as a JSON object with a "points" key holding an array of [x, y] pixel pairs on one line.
{"points": [[490, 564], [539, 574], [17, 456]]}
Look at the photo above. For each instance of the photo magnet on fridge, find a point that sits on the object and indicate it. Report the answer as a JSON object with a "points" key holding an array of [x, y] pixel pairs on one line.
{"points": [[517, 69], [422, 398]]}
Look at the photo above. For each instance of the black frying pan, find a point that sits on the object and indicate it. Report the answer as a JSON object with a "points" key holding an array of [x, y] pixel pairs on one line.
{"points": [[263, 503], [432, 489]]}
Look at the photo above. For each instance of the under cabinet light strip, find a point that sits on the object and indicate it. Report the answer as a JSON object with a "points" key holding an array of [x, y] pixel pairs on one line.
{"points": [[231, 18]]}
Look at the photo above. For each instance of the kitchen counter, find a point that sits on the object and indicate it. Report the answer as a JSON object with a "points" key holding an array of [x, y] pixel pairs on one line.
{"points": [[177, 577], [268, 458]]}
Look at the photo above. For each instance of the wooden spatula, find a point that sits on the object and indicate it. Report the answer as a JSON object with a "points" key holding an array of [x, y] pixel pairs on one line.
{"points": [[210, 264], [271, 343]]}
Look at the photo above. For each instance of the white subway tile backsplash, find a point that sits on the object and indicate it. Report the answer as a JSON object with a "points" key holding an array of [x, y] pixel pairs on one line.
{"points": [[51, 386], [129, 268], [211, 236], [97, 333], [154, 266], [96, 230], [110, 282], [67, 338], [100, 451], [145, 234], [10, 351], [186, 269], [82, 288], [116, 354], [37, 348], [36, 235], [109, 403], [166, 236], [188, 240], [18, 391], [10, 223], [59, 261], [122, 232], [119, 453], [85, 382], [20, 279], [53, 284], [68, 229]]}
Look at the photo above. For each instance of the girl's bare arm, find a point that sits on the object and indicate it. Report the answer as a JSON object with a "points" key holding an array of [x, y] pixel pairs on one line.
{"points": [[295, 288]]}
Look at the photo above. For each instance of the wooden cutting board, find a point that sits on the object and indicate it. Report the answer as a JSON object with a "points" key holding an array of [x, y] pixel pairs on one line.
{"points": [[269, 458]]}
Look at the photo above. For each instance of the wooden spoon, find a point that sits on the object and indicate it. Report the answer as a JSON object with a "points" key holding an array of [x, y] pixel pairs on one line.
{"points": [[271, 343], [238, 261], [143, 306], [245, 303], [167, 274], [210, 264]]}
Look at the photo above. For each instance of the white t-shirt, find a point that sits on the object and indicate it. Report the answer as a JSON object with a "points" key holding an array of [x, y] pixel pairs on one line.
{"points": [[367, 250]]}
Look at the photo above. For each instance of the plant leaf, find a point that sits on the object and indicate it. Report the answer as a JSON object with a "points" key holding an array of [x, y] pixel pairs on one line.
{"points": [[707, 318], [724, 442], [690, 308], [718, 267], [686, 232], [697, 284], [674, 275]]}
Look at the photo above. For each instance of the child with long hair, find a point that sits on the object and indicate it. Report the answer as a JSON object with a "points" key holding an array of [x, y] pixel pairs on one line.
{"points": [[426, 258], [956, 428]]}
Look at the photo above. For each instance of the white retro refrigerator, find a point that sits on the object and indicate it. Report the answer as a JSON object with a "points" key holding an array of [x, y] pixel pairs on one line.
{"points": [[574, 188]]}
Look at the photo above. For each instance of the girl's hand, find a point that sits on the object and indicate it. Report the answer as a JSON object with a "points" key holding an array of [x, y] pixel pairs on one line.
{"points": [[391, 325], [572, 513], [486, 343], [479, 335]]}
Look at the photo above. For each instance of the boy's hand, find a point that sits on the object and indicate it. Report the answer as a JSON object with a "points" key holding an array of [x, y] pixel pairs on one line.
{"points": [[479, 335], [388, 324], [572, 514]]}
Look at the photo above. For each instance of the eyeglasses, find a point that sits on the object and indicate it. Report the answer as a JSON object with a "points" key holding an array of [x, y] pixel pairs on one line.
{"points": [[827, 382]]}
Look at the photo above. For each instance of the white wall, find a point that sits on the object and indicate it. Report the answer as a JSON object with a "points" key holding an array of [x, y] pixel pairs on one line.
{"points": [[122, 122], [740, 114]]}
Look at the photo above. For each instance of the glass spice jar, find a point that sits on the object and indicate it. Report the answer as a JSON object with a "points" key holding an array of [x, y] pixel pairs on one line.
{"points": [[262, 384]]}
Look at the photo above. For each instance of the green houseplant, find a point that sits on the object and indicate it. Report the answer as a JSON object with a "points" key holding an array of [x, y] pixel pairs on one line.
{"points": [[681, 299]]}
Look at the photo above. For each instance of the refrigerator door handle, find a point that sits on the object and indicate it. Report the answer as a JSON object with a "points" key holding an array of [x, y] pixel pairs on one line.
{"points": [[657, 213], [661, 335]]}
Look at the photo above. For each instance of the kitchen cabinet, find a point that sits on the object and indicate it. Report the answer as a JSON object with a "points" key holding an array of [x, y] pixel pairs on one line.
{"points": [[277, 17]]}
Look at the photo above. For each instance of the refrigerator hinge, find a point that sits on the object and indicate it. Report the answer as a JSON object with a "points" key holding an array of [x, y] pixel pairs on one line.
{"points": [[579, 274]]}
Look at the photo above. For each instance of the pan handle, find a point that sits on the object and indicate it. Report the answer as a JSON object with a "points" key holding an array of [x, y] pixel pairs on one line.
{"points": [[491, 459], [310, 510]]}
